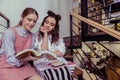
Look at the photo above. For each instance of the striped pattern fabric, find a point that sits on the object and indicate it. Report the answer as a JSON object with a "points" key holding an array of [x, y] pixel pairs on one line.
{"points": [[61, 73]]}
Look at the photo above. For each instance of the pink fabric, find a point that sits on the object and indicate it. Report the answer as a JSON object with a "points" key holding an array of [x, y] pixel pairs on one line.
{"points": [[8, 72]]}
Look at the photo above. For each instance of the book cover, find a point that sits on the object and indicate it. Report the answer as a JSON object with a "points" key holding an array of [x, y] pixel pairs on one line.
{"points": [[71, 65], [58, 64]]}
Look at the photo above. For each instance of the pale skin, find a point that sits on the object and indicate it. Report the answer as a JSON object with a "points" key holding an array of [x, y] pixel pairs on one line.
{"points": [[28, 22], [48, 26]]}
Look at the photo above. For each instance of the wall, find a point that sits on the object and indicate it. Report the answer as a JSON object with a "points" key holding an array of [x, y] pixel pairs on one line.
{"points": [[12, 11], [62, 7], [13, 8], [41, 7]]}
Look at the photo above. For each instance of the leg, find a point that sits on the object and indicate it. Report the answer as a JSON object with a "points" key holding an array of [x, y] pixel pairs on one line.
{"points": [[61, 73], [36, 77]]}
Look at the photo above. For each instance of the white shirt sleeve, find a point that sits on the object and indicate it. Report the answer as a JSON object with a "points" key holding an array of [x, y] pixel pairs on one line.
{"points": [[38, 44], [60, 45], [8, 47]]}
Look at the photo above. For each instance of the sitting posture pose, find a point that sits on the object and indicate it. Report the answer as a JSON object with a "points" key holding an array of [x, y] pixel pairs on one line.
{"points": [[14, 40], [47, 38]]}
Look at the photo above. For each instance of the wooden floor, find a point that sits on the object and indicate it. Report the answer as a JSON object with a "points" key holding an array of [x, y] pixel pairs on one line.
{"points": [[78, 74]]}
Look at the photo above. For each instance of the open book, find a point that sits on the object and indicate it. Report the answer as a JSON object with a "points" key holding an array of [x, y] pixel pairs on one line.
{"points": [[31, 52]]}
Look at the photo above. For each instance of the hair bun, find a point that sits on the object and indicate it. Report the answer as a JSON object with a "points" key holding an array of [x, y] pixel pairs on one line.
{"points": [[51, 13], [58, 17]]}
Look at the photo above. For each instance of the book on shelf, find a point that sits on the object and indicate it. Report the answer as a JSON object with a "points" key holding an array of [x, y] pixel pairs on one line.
{"points": [[37, 54]]}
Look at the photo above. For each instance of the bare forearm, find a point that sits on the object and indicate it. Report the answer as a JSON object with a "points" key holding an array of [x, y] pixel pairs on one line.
{"points": [[44, 45], [58, 53]]}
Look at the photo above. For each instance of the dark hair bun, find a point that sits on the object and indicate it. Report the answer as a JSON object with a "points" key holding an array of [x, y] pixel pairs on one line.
{"points": [[58, 17], [50, 13]]}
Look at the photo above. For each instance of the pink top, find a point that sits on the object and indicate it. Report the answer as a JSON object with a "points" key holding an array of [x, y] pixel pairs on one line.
{"points": [[9, 72]]}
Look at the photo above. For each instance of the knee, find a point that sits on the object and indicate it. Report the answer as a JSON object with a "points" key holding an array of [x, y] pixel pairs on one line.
{"points": [[36, 77]]}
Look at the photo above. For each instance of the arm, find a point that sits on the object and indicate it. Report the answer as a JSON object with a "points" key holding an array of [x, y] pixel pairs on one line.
{"points": [[44, 45], [58, 53], [8, 43], [33, 42], [59, 48]]}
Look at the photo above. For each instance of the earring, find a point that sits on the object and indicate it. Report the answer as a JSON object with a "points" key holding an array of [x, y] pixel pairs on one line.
{"points": [[54, 31]]}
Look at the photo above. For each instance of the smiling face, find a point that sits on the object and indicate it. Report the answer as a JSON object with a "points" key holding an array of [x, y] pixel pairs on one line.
{"points": [[49, 24], [29, 21]]}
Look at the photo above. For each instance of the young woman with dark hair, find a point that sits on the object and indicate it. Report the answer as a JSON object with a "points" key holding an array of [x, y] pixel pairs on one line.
{"points": [[47, 38]]}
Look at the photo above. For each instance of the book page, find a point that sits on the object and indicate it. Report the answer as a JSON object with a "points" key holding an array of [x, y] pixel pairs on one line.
{"points": [[31, 53], [49, 55], [25, 53]]}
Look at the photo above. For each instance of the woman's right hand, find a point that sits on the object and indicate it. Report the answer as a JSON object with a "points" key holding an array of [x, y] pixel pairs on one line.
{"points": [[29, 58], [48, 56], [42, 29]]}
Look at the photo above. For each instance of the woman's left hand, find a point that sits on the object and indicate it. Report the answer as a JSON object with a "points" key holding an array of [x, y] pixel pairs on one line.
{"points": [[58, 53], [49, 57], [29, 58]]}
